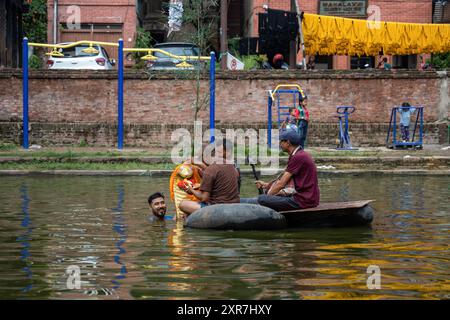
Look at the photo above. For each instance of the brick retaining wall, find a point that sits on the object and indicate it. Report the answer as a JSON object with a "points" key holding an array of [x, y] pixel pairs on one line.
{"points": [[66, 106], [159, 135]]}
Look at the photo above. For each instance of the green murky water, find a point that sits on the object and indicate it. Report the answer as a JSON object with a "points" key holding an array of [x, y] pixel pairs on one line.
{"points": [[100, 224]]}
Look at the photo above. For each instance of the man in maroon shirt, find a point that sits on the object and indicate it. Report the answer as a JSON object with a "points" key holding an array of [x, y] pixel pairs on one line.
{"points": [[302, 170]]}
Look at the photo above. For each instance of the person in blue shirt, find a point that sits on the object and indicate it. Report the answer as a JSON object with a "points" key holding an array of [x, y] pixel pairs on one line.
{"points": [[405, 118], [291, 120]]}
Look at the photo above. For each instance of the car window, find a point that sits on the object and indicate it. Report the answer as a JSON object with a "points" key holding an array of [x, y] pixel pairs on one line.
{"points": [[178, 51], [77, 51], [105, 53]]}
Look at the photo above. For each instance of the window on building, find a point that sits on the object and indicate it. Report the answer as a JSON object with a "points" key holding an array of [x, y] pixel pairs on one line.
{"points": [[94, 26], [404, 62], [362, 62], [323, 62]]}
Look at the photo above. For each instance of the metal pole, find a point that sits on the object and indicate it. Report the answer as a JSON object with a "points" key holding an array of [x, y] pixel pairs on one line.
{"points": [[421, 126], [278, 110], [223, 33], [394, 126], [120, 97], [302, 41], [415, 125], [269, 121], [25, 92], [55, 21], [389, 129], [212, 95]]}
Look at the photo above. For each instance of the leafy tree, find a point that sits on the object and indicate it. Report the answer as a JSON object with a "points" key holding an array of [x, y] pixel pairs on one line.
{"points": [[35, 62], [201, 15], [35, 22], [143, 40], [440, 61]]}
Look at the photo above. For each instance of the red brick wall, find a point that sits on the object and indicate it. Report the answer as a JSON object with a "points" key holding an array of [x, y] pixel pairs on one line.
{"points": [[83, 96], [159, 135], [67, 107], [415, 11]]}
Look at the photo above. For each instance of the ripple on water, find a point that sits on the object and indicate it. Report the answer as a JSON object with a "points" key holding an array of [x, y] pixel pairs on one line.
{"points": [[100, 224]]}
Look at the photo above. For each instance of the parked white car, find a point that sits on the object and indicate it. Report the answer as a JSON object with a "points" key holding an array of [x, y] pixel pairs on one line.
{"points": [[76, 58]]}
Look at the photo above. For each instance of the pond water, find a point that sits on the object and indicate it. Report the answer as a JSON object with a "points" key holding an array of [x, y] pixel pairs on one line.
{"points": [[100, 224]]}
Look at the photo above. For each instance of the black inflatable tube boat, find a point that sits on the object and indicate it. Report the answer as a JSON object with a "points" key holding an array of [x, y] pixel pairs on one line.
{"points": [[250, 216]]}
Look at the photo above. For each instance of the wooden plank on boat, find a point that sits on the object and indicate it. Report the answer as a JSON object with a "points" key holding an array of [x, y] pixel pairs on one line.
{"points": [[332, 214], [334, 206]]}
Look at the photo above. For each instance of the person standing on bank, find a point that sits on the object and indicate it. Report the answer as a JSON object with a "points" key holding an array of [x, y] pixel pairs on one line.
{"points": [[303, 119], [405, 119], [220, 183], [302, 170]]}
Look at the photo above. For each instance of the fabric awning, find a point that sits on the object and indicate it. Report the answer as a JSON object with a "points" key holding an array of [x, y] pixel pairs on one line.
{"points": [[327, 35]]}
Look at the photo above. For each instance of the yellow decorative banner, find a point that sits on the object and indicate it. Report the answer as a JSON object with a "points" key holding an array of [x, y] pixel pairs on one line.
{"points": [[326, 35]]}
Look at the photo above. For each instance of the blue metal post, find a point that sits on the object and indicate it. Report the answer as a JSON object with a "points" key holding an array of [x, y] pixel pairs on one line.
{"points": [[389, 129], [212, 95], [421, 126], [25, 92], [346, 121], [415, 126], [278, 110], [120, 97], [269, 121], [394, 126]]}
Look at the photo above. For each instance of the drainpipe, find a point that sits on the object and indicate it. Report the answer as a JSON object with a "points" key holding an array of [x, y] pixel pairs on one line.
{"points": [[55, 21]]}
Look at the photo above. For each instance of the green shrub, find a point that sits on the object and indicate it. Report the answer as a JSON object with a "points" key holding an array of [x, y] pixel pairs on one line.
{"points": [[4, 146], [440, 61], [143, 40], [82, 143], [34, 62]]}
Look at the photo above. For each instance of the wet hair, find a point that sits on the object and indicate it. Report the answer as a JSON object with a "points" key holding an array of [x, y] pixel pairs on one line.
{"points": [[155, 196]]}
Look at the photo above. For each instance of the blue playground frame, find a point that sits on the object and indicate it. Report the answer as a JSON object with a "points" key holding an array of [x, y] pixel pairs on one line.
{"points": [[393, 128], [344, 137], [281, 105], [120, 129]]}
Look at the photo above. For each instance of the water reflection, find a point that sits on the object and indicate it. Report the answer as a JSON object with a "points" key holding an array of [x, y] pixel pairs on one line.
{"points": [[122, 255], [120, 228], [344, 192], [25, 237]]}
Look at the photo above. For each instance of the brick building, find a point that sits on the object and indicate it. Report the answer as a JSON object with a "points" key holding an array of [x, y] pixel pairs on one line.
{"points": [[11, 32], [412, 11], [101, 20], [108, 20]]}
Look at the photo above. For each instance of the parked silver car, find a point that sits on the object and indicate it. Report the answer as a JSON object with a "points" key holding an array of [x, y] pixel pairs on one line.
{"points": [[77, 58], [165, 62]]}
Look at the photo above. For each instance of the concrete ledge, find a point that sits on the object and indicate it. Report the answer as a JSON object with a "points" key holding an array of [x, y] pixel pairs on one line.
{"points": [[246, 172], [226, 75], [399, 161], [155, 173]]}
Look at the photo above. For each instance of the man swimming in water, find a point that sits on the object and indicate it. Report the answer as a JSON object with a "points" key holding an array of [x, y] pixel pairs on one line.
{"points": [[157, 206]]}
